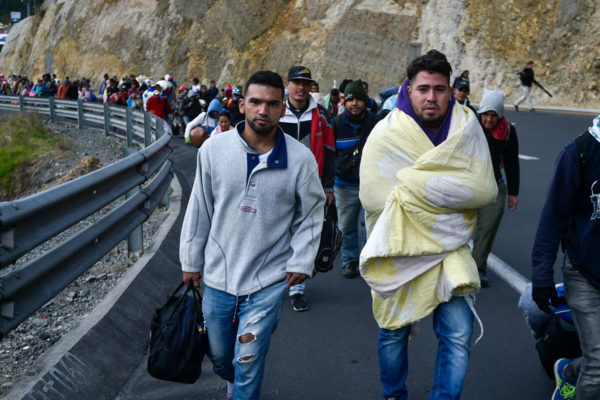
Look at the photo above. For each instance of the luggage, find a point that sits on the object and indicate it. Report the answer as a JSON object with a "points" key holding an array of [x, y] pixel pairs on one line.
{"points": [[331, 241], [178, 339]]}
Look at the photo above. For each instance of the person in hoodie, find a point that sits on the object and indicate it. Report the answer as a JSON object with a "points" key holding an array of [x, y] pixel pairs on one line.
{"points": [[208, 120], [504, 149], [306, 122], [251, 229], [571, 215]]}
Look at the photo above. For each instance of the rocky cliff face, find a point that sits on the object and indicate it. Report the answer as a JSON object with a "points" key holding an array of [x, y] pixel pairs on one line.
{"points": [[226, 40]]}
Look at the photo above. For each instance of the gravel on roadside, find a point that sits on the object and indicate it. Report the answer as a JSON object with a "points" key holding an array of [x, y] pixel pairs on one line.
{"points": [[20, 349]]}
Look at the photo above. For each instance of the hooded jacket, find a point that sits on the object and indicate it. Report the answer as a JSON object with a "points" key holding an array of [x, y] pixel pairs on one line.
{"points": [[205, 119], [505, 153]]}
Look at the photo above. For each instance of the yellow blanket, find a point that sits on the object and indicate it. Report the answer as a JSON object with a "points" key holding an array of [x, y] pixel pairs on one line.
{"points": [[420, 203]]}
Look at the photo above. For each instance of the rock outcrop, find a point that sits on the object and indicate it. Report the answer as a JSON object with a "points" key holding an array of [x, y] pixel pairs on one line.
{"points": [[374, 40]]}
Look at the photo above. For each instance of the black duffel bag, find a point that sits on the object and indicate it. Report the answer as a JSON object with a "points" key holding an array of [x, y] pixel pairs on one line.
{"points": [[331, 240], [178, 339]]}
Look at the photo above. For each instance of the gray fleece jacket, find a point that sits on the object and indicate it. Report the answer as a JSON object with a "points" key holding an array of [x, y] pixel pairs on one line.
{"points": [[248, 223]]}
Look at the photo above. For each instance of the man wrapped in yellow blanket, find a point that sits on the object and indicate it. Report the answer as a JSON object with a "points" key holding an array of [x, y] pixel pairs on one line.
{"points": [[425, 170]]}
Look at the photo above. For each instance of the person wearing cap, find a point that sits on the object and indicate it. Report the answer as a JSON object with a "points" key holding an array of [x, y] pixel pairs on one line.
{"points": [[371, 104], [232, 105], [306, 122], [351, 129], [461, 91], [504, 149]]}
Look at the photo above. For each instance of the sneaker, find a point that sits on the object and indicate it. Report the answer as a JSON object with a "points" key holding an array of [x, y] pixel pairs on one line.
{"points": [[485, 282], [350, 270], [516, 108], [299, 302], [564, 390]]}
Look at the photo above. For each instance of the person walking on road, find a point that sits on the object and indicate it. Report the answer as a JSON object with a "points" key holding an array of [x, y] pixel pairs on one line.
{"points": [[424, 172], [461, 90], [251, 230], [527, 78], [504, 149], [571, 215], [351, 130], [306, 122]]}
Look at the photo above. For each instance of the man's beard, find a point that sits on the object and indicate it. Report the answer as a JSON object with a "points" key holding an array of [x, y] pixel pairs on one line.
{"points": [[261, 130], [433, 123]]}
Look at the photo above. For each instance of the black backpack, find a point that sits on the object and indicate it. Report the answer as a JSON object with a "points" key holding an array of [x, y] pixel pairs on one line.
{"points": [[331, 240]]}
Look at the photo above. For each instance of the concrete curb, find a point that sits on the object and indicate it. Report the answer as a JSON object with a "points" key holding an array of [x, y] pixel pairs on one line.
{"points": [[84, 364]]}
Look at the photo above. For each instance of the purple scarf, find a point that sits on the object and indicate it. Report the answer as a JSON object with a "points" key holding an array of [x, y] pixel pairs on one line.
{"points": [[403, 103]]}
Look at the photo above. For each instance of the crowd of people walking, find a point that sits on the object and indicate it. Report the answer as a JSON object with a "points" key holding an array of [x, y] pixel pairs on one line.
{"points": [[413, 179]]}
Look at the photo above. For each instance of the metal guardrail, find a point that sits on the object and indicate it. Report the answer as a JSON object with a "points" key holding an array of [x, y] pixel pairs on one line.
{"points": [[26, 223]]}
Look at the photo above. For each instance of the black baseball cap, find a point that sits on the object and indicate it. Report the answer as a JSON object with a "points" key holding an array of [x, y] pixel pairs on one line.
{"points": [[299, 72]]}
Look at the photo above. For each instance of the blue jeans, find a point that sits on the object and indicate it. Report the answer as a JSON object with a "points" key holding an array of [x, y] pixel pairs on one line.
{"points": [[351, 215], [584, 302], [239, 333], [453, 326]]}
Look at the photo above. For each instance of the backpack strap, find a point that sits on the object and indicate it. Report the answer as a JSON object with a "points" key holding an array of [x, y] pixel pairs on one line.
{"points": [[583, 149]]}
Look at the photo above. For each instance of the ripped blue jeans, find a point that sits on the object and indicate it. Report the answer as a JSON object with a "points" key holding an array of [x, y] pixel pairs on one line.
{"points": [[239, 333]]}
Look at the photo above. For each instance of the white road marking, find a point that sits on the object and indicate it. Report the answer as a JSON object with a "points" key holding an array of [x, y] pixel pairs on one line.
{"points": [[508, 273], [524, 157]]}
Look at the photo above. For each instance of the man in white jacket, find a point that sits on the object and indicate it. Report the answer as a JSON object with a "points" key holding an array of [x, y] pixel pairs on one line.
{"points": [[251, 229]]}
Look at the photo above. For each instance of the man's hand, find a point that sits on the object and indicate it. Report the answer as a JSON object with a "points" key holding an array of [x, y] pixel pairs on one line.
{"points": [[513, 202], [329, 198], [544, 296], [191, 278], [294, 278]]}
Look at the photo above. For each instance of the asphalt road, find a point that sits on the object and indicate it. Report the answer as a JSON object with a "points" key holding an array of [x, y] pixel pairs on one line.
{"points": [[330, 352]]}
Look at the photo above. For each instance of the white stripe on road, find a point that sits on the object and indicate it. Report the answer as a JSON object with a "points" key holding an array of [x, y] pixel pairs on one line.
{"points": [[524, 157], [508, 273]]}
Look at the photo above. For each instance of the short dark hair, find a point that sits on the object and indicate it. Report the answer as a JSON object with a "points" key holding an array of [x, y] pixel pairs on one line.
{"points": [[265, 78], [196, 80], [530, 62], [334, 92], [432, 61], [225, 113]]}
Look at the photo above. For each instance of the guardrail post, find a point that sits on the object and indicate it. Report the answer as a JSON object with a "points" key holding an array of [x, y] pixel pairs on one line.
{"points": [[21, 104], [147, 129], [129, 126], [79, 113], [51, 106], [160, 127], [135, 240], [106, 119]]}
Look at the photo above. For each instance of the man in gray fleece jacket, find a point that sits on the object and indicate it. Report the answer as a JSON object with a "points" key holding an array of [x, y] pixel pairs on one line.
{"points": [[251, 229]]}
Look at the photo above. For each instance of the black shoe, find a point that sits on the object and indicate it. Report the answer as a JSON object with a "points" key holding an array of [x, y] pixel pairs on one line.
{"points": [[532, 109], [350, 270], [516, 108], [299, 302], [484, 280]]}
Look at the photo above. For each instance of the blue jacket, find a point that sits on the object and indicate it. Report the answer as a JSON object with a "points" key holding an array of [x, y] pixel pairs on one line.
{"points": [[347, 135], [572, 207]]}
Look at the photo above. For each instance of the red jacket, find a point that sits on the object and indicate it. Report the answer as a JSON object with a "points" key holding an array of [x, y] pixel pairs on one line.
{"points": [[159, 106]]}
